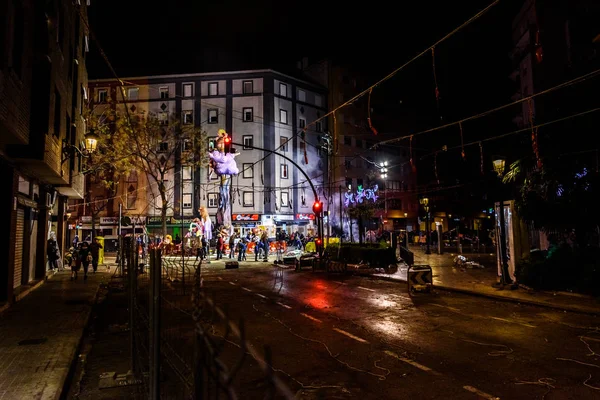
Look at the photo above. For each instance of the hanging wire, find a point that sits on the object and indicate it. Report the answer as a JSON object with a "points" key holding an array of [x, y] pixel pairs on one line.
{"points": [[534, 136], [481, 157], [462, 142], [435, 168], [412, 162], [435, 81], [369, 113]]}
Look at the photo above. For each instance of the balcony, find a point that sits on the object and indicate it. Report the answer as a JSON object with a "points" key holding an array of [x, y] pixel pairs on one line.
{"points": [[42, 159]]}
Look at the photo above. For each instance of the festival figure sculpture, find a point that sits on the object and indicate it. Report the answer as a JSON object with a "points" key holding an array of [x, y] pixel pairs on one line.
{"points": [[224, 165]]}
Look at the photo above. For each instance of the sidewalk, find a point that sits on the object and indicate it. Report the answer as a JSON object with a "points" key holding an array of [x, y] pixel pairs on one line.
{"points": [[478, 281], [40, 335]]}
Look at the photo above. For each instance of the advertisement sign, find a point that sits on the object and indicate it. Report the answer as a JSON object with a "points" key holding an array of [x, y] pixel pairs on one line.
{"points": [[109, 220], [245, 217], [305, 217]]}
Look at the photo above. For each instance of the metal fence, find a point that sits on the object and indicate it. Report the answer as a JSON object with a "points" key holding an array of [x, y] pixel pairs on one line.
{"points": [[183, 345]]}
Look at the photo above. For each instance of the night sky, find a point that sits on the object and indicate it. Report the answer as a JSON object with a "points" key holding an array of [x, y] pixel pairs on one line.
{"points": [[375, 37]]}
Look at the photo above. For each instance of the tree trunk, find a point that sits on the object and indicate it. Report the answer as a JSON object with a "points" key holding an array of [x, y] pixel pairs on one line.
{"points": [[163, 212], [361, 229]]}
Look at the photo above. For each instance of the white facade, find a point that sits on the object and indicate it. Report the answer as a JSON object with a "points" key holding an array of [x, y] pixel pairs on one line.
{"points": [[262, 109]]}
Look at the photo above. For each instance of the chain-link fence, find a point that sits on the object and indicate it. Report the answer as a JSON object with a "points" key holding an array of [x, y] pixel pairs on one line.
{"points": [[183, 345]]}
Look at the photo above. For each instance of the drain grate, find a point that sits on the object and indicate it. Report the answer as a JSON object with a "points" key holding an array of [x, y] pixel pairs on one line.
{"points": [[29, 342]]}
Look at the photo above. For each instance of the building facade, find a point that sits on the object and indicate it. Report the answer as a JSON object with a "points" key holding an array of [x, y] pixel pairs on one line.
{"points": [[355, 160], [43, 85], [260, 109]]}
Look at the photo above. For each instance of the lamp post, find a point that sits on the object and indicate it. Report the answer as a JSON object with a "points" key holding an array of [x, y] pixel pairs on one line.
{"points": [[499, 163], [425, 203], [384, 176]]}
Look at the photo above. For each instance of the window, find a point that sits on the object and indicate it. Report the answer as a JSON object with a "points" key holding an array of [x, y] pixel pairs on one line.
{"points": [[187, 145], [212, 143], [57, 112], [248, 114], [348, 162], [301, 95], [283, 116], [248, 170], [163, 117], [188, 117], [301, 123], [349, 183], [131, 195], [248, 142], [213, 116], [133, 93], [188, 89], [213, 89], [213, 200], [348, 140], [248, 199], [283, 168], [102, 95], [283, 143], [282, 89], [163, 147], [187, 200], [285, 199], [186, 172], [164, 92], [317, 100], [319, 126], [248, 87]]}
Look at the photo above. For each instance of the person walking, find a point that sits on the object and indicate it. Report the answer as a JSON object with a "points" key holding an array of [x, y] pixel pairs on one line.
{"points": [[75, 262], [85, 256], [95, 252], [52, 253], [220, 245]]}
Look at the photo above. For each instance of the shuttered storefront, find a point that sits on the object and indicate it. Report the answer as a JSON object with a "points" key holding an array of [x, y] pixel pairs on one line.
{"points": [[19, 232]]}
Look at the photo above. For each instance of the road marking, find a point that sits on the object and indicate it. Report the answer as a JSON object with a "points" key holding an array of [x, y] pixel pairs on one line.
{"points": [[284, 305], [233, 283], [364, 288], [260, 295], [339, 283], [480, 393], [443, 306], [310, 317], [411, 362], [246, 289], [513, 322], [350, 335]]}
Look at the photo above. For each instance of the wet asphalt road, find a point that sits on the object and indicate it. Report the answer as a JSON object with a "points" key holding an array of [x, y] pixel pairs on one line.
{"points": [[341, 337]]}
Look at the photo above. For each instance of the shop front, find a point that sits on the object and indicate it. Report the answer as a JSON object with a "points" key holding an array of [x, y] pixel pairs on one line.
{"points": [[306, 224], [245, 223], [176, 227]]}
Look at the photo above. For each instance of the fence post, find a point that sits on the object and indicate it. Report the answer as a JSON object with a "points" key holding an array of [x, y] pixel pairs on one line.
{"points": [[128, 254], [154, 326]]}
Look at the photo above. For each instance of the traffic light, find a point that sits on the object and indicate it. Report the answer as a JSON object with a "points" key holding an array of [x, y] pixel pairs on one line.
{"points": [[318, 208], [227, 144], [318, 242]]}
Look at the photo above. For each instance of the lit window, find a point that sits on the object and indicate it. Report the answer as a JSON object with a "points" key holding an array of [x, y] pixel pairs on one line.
{"points": [[102, 95], [301, 95], [248, 142], [282, 89], [283, 143], [248, 170], [285, 199], [187, 200], [283, 116], [186, 172], [187, 145], [188, 117], [213, 200], [248, 199], [284, 171], [163, 118]]}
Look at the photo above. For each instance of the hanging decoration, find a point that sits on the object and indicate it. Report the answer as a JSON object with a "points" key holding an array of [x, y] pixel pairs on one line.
{"points": [[437, 89], [462, 142], [361, 195], [369, 113], [412, 162], [481, 158], [435, 168], [534, 136]]}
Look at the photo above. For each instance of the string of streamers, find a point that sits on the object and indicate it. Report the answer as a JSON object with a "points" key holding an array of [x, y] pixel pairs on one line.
{"points": [[534, 136], [435, 168], [462, 142], [437, 89], [412, 162], [481, 157], [369, 113], [305, 154]]}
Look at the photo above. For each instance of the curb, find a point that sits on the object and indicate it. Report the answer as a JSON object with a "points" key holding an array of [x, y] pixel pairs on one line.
{"points": [[495, 297]]}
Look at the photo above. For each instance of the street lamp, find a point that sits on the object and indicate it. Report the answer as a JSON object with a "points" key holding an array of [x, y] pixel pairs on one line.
{"points": [[425, 203], [499, 163], [384, 176], [91, 142]]}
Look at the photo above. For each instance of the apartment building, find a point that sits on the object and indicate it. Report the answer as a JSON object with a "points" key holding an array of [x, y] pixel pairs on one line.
{"points": [[260, 109], [43, 86]]}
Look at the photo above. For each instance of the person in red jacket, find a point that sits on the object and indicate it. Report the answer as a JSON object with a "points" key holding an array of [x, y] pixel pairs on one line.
{"points": [[220, 246]]}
